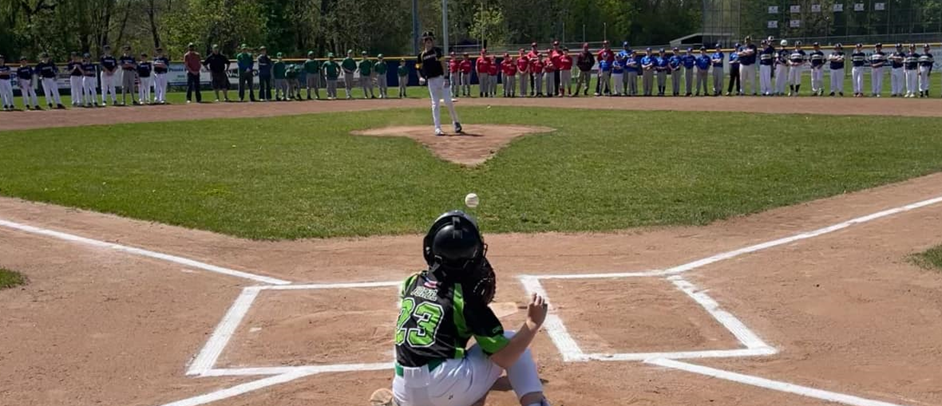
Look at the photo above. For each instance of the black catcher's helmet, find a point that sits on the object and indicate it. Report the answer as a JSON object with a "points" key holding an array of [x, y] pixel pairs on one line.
{"points": [[454, 242]]}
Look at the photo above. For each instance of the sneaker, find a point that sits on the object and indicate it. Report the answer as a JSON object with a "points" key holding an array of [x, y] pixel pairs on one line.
{"points": [[50, 106], [458, 128], [841, 94], [187, 102], [59, 106], [439, 132]]}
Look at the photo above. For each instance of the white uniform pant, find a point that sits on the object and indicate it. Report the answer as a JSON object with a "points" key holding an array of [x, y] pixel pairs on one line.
{"points": [[90, 86], [897, 77], [6, 93], [51, 91], [143, 89], [837, 80], [462, 382], [912, 81], [28, 92], [524, 83], [483, 83], [160, 87], [794, 75], [618, 78], [438, 91], [781, 78], [747, 75], [108, 86], [876, 80], [75, 89], [857, 79], [765, 79], [923, 78], [817, 79]]}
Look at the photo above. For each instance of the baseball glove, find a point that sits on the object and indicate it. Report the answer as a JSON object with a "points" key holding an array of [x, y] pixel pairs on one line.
{"points": [[485, 282]]}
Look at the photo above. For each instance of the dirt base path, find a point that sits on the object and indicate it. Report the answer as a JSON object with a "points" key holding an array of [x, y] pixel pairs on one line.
{"points": [[845, 311], [142, 114]]}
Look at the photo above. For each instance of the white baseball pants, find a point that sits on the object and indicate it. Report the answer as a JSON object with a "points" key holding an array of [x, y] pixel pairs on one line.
{"points": [[90, 90], [876, 80], [837, 80], [483, 83], [794, 75], [51, 91], [524, 83], [76, 89], [781, 79], [748, 77], [108, 86], [143, 89], [6, 93], [618, 78], [857, 79], [160, 87], [28, 92], [817, 79], [923, 78], [897, 77], [912, 81], [463, 382], [438, 91], [765, 79]]}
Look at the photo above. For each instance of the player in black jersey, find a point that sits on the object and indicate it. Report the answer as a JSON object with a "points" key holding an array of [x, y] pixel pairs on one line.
{"points": [[432, 71], [441, 309]]}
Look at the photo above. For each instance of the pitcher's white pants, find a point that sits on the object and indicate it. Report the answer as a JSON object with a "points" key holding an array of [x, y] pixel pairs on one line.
{"points": [[28, 92], [748, 78], [76, 89], [462, 382], [160, 87], [837, 80], [439, 92], [897, 77], [51, 91], [781, 79], [876, 80], [143, 89], [817, 79], [857, 78], [108, 86], [923, 78], [90, 94], [765, 79]]}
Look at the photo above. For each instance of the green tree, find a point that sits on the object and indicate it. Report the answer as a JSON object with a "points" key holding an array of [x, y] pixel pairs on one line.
{"points": [[489, 26]]}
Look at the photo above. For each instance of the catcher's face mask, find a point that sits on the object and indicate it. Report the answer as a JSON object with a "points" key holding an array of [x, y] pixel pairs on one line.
{"points": [[455, 251]]}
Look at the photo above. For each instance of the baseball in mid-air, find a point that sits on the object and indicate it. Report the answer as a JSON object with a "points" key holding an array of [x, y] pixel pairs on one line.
{"points": [[471, 200]]}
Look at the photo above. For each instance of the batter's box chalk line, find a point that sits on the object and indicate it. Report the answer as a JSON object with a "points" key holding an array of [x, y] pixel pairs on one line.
{"points": [[204, 363]]}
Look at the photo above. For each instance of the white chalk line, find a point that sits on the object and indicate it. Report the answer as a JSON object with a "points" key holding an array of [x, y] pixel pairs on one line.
{"points": [[239, 389], [213, 348], [768, 384], [315, 286], [554, 325], [307, 369], [742, 333], [141, 252], [701, 354]]}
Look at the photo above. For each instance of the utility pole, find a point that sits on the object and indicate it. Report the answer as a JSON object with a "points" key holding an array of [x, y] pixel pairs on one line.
{"points": [[445, 24], [415, 27]]}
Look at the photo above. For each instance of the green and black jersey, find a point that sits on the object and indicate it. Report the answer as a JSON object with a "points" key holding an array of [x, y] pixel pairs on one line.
{"points": [[436, 321]]}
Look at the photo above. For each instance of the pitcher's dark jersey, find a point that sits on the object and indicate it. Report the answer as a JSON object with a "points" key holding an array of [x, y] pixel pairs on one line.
{"points": [[436, 320]]}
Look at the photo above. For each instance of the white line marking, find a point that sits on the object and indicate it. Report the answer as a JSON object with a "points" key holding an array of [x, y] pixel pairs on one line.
{"points": [[306, 369], [352, 285], [217, 342], [769, 384], [643, 356], [141, 252], [554, 325], [802, 236], [746, 336], [239, 389], [656, 272]]}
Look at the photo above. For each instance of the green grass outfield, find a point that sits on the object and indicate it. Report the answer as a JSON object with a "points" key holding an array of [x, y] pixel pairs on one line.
{"points": [[9, 279], [929, 259], [177, 97], [305, 176]]}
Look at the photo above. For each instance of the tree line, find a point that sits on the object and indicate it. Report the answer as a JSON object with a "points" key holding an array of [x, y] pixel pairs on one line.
{"points": [[29, 27]]}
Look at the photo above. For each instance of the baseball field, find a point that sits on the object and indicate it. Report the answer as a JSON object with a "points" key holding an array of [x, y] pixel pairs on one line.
{"points": [[694, 251]]}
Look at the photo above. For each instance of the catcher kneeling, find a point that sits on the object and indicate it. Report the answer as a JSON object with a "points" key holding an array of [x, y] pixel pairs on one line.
{"points": [[442, 308]]}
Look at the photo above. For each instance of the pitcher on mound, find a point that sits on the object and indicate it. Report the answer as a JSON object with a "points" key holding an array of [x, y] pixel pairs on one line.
{"points": [[441, 309], [432, 71]]}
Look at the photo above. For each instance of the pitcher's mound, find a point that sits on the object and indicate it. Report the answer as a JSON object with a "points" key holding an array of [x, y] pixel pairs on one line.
{"points": [[476, 145]]}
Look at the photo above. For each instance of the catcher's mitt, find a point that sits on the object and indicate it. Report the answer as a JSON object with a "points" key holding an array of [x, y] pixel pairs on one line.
{"points": [[484, 282]]}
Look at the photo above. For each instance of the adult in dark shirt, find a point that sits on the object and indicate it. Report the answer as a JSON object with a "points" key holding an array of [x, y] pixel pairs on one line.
{"points": [[584, 61], [218, 65], [264, 75], [432, 71], [192, 62]]}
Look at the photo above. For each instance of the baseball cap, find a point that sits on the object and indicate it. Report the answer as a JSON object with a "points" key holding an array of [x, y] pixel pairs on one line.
{"points": [[649, 49], [159, 49], [585, 44], [879, 45], [817, 44], [839, 45], [279, 54], [310, 53], [506, 54], [899, 45], [605, 42], [330, 54], [362, 52], [22, 58], [262, 48], [244, 46], [533, 45], [44, 55], [676, 49], [926, 46], [107, 47], [859, 45], [625, 44], [143, 53], [349, 51], [555, 42], [717, 46], [702, 48], [87, 55], [379, 56], [689, 49], [190, 45], [215, 46], [737, 45]]}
